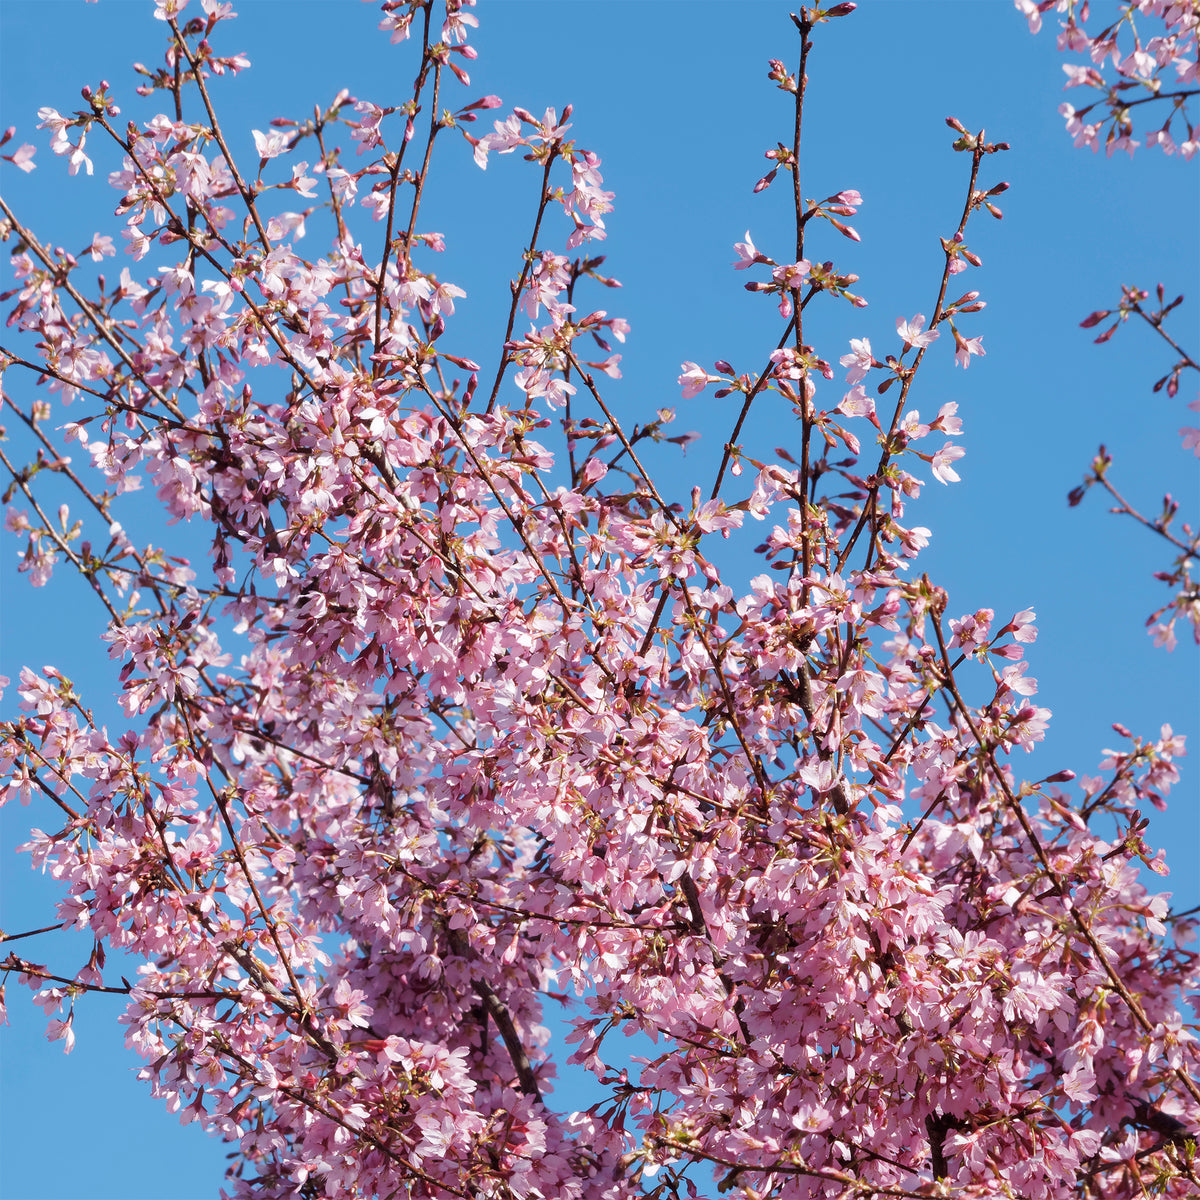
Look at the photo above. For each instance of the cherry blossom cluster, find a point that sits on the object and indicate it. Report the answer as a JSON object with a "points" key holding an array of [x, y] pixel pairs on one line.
{"points": [[1149, 47], [450, 715]]}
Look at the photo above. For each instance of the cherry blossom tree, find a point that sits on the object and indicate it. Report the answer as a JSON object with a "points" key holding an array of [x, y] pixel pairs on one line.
{"points": [[454, 710]]}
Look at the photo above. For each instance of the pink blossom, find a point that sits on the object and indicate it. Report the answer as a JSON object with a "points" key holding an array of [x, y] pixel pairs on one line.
{"points": [[76, 158], [593, 471], [947, 420], [748, 254], [713, 514], [860, 360], [820, 776], [942, 470], [550, 128], [397, 24], [695, 379], [269, 145], [1022, 626], [443, 297], [63, 1031], [911, 424], [505, 138], [49, 118], [972, 632], [454, 28], [1031, 10], [965, 347], [102, 246], [791, 275], [856, 403], [22, 158], [1015, 680], [1163, 634], [304, 184], [910, 332]]}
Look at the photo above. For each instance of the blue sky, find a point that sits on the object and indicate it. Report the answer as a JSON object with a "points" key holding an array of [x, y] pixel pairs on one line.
{"points": [[674, 98]]}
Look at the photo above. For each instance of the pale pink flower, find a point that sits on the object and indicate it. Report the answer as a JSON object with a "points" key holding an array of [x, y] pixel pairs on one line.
{"points": [[51, 119], [1022, 626], [1164, 635], [747, 254], [139, 243], [283, 224], [269, 145], [965, 348], [303, 184], [1032, 13], [102, 246], [856, 403], [946, 420], [398, 25], [792, 275], [1138, 65], [63, 1031], [942, 470], [549, 128], [695, 379], [911, 424], [821, 776], [1014, 678], [454, 27], [22, 158], [349, 1003], [910, 332], [860, 360], [972, 631], [713, 514], [507, 135], [344, 184], [76, 159], [593, 471]]}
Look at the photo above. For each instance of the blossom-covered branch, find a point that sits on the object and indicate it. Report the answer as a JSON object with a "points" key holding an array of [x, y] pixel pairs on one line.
{"points": [[1150, 51]]}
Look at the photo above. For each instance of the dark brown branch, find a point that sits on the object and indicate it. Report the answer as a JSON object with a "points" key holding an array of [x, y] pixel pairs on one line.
{"points": [[498, 1011]]}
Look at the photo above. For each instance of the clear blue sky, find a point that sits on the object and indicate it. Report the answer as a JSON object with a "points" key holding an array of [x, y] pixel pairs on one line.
{"points": [[673, 96]]}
